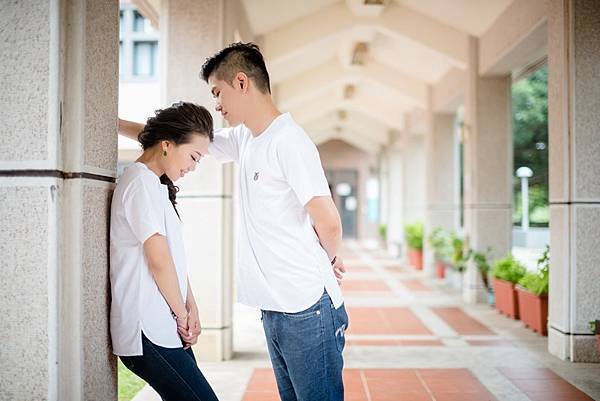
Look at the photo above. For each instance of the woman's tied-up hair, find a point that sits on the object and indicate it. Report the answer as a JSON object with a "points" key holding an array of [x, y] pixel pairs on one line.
{"points": [[176, 124]]}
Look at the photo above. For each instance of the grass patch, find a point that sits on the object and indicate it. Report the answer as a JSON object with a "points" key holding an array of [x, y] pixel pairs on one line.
{"points": [[129, 383]]}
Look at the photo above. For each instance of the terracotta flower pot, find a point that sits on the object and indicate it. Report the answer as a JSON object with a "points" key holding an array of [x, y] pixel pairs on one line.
{"points": [[598, 342], [440, 268], [506, 298], [533, 310], [415, 258]]}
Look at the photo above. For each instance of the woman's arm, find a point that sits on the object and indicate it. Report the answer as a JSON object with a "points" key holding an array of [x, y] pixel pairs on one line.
{"points": [[163, 270], [190, 335], [190, 303], [130, 129]]}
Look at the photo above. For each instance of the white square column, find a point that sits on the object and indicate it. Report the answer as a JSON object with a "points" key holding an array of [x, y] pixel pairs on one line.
{"points": [[191, 31], [487, 169], [57, 171], [441, 170], [394, 192], [574, 131]]}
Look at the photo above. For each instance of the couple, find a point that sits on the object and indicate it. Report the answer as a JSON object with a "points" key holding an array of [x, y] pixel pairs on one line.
{"points": [[290, 233]]}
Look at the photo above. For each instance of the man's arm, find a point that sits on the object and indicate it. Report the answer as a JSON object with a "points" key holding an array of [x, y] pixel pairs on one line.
{"points": [[130, 129], [328, 226], [327, 223]]}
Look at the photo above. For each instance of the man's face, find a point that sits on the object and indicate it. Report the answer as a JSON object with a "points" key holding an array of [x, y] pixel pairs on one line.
{"points": [[228, 100]]}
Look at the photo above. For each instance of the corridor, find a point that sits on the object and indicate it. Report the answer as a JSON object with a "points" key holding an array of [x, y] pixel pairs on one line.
{"points": [[411, 338]]}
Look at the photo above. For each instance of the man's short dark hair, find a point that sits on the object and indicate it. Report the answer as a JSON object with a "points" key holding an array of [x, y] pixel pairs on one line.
{"points": [[238, 57]]}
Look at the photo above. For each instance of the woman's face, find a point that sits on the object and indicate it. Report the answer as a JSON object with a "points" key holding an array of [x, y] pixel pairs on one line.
{"points": [[182, 159]]}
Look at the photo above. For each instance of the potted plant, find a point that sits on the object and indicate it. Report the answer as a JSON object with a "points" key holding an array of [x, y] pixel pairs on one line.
{"points": [[483, 266], [480, 260], [532, 291], [457, 261], [595, 327], [440, 242], [507, 272], [383, 235], [414, 240]]}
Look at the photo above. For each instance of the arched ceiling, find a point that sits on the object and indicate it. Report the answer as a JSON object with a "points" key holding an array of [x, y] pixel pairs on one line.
{"points": [[370, 61]]}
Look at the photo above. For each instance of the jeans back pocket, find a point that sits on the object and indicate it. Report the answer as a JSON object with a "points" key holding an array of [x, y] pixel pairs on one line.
{"points": [[340, 319]]}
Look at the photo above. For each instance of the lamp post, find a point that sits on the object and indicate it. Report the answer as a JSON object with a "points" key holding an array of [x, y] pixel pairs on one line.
{"points": [[524, 173]]}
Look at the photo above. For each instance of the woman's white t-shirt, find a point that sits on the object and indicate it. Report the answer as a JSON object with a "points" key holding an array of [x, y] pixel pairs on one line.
{"points": [[141, 208]]}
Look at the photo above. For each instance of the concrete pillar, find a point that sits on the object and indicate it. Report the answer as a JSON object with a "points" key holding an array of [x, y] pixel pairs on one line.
{"points": [[441, 169], [574, 131], [58, 105], [414, 178], [417, 123], [395, 197], [383, 171], [488, 167], [191, 31]]}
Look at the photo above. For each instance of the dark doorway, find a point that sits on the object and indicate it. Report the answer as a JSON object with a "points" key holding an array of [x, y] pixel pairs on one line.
{"points": [[343, 185]]}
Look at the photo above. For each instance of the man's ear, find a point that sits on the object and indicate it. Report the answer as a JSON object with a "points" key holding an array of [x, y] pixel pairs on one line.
{"points": [[242, 81]]}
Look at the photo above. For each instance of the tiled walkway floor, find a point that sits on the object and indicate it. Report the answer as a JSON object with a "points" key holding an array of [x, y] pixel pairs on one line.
{"points": [[394, 309], [411, 338]]}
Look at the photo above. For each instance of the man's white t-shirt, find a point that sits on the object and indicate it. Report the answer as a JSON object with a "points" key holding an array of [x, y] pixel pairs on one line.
{"points": [[141, 208], [280, 264]]}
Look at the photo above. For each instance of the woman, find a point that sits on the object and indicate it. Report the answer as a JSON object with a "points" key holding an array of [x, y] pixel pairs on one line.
{"points": [[154, 318]]}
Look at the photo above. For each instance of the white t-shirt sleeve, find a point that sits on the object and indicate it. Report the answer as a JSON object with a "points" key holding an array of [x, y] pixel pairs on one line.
{"points": [[143, 212], [301, 166], [225, 146]]}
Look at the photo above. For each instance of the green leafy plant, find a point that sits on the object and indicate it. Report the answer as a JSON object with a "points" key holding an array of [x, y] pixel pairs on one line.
{"points": [[440, 242], [458, 257], [483, 265], [595, 326], [383, 231], [414, 235], [537, 282], [508, 269]]}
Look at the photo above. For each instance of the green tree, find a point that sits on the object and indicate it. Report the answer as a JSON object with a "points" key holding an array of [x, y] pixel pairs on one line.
{"points": [[530, 140]]}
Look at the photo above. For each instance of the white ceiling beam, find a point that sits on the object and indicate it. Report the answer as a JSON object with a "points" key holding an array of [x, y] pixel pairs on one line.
{"points": [[365, 145], [448, 92], [294, 38], [368, 132], [391, 115], [314, 82], [518, 37], [357, 120]]}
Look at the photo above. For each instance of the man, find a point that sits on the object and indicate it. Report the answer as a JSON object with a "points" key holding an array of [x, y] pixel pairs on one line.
{"points": [[290, 229]]}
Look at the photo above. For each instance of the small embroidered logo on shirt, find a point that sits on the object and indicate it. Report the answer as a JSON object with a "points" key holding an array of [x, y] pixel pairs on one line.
{"points": [[256, 176]]}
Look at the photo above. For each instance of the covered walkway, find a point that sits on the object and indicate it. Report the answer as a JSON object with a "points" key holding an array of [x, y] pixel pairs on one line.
{"points": [[412, 96], [411, 338]]}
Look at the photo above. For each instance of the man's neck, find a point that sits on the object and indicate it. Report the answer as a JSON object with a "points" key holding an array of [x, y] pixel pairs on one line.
{"points": [[261, 116]]}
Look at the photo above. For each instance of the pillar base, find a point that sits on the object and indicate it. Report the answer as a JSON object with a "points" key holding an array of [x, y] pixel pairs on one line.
{"points": [[576, 348], [475, 295], [214, 345], [474, 292]]}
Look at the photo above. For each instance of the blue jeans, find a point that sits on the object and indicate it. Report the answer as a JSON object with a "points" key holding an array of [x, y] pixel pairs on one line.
{"points": [[306, 351], [172, 372]]}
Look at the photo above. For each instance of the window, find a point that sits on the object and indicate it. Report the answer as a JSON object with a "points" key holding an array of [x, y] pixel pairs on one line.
{"points": [[121, 59], [144, 59], [121, 23], [138, 46], [141, 24]]}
